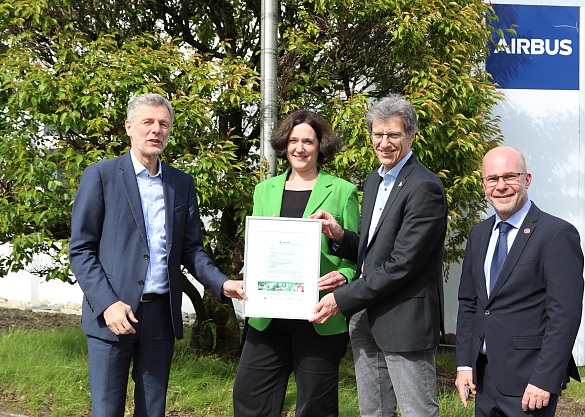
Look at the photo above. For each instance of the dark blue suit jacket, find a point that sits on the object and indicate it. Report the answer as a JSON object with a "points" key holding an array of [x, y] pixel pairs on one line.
{"points": [[533, 314], [109, 248]]}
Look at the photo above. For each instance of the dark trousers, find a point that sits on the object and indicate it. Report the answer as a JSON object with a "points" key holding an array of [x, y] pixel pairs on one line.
{"points": [[489, 402], [150, 350], [270, 356]]}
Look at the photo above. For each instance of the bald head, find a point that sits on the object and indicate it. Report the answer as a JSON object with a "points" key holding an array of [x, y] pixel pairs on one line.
{"points": [[507, 153]]}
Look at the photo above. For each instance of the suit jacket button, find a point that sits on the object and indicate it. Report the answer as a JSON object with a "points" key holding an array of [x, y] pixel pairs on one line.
{"points": [[141, 282], [487, 312], [146, 257]]}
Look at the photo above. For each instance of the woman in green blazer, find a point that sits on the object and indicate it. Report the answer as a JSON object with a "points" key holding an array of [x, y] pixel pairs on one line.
{"points": [[274, 348]]}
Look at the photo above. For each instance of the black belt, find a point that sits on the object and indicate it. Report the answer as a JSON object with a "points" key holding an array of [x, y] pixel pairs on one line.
{"points": [[152, 296]]}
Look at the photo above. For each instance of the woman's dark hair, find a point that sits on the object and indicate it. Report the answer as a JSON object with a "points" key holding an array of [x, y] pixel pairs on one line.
{"points": [[329, 142]]}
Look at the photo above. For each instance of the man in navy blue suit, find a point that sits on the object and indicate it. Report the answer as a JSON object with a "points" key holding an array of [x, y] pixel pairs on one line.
{"points": [[520, 299], [135, 221]]}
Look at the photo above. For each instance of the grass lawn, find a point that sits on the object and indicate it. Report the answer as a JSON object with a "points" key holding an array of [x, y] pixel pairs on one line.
{"points": [[44, 373]]}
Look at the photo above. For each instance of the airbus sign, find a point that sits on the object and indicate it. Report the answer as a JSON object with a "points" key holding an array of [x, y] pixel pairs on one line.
{"points": [[536, 46], [544, 53]]}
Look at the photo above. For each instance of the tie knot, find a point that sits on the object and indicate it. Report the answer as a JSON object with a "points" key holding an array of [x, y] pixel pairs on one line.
{"points": [[504, 227]]}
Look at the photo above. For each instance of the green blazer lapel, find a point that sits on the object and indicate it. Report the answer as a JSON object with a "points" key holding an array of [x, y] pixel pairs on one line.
{"points": [[320, 192], [274, 200]]}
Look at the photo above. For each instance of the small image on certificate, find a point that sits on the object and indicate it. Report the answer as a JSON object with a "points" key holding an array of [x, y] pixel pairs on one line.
{"points": [[282, 261]]}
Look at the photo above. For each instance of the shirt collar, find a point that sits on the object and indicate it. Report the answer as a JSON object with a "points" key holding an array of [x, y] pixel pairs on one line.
{"points": [[517, 218], [395, 170], [139, 168]]}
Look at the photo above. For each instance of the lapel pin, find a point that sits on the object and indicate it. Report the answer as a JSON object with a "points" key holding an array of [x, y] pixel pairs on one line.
{"points": [[400, 185], [527, 230]]}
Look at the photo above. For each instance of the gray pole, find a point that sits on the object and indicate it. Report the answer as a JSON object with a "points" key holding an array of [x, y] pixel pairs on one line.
{"points": [[268, 84]]}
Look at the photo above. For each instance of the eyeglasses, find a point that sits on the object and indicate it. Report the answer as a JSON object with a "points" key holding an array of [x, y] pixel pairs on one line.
{"points": [[509, 178], [392, 136]]}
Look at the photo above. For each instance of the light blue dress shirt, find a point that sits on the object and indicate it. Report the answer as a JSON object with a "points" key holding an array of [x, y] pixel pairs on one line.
{"points": [[384, 189], [153, 209]]}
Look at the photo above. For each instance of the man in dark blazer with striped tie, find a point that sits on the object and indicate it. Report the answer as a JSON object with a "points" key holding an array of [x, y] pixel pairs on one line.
{"points": [[395, 300], [516, 327]]}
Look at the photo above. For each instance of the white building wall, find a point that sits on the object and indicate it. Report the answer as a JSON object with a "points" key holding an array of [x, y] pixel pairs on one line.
{"points": [[30, 289]]}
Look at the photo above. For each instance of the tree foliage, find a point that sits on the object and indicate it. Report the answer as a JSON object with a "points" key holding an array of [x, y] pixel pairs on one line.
{"points": [[68, 68]]}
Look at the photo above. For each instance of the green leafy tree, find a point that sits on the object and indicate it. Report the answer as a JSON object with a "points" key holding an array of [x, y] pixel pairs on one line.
{"points": [[431, 50], [66, 112], [68, 68]]}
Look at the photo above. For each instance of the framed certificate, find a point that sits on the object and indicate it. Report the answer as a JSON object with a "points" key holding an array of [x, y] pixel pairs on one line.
{"points": [[282, 259]]}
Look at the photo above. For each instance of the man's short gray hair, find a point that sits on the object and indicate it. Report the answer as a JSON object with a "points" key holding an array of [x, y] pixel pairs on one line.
{"points": [[148, 100], [394, 105]]}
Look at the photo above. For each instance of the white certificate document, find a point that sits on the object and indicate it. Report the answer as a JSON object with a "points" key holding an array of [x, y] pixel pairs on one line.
{"points": [[282, 257]]}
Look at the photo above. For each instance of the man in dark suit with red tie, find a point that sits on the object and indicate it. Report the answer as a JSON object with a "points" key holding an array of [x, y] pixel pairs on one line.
{"points": [[520, 299]]}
